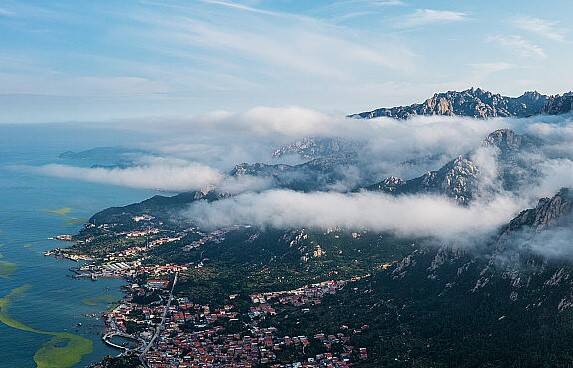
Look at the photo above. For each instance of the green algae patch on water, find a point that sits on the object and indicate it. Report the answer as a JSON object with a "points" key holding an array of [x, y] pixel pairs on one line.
{"points": [[6, 269], [5, 317], [60, 211], [99, 299], [63, 350], [72, 221]]}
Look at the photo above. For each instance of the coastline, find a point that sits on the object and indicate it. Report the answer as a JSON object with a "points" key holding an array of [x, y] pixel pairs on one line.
{"points": [[94, 272]]}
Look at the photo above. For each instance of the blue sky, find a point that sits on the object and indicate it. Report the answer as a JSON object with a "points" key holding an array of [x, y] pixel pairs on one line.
{"points": [[104, 60]]}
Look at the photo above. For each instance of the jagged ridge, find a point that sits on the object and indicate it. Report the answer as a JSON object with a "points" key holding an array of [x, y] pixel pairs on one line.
{"points": [[478, 103]]}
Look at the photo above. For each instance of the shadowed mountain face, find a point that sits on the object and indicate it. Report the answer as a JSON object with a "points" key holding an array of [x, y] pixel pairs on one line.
{"points": [[549, 212], [454, 307], [460, 178], [478, 103], [514, 258], [457, 179], [316, 174], [558, 104]]}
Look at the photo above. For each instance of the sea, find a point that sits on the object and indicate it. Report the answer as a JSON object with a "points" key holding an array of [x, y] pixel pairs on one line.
{"points": [[47, 318]]}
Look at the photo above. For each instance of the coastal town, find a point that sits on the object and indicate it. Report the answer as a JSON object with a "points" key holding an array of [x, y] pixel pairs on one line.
{"points": [[158, 328], [186, 334]]}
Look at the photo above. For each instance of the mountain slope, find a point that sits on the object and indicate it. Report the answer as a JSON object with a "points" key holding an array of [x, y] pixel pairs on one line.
{"points": [[456, 307], [459, 179], [317, 174]]}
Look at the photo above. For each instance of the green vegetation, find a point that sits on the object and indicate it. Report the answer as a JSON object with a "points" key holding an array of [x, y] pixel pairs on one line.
{"points": [[60, 211], [72, 221], [6, 268], [63, 350], [273, 260], [99, 299], [4, 305]]}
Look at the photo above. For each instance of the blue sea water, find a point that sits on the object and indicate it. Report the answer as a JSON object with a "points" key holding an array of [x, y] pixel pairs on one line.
{"points": [[54, 301]]}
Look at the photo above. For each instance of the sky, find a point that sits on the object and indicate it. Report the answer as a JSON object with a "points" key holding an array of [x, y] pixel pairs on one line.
{"points": [[93, 61]]}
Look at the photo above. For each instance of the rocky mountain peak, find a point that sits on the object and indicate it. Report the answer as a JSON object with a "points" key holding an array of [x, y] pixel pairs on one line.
{"points": [[532, 95], [457, 179], [511, 143], [559, 104], [314, 147], [504, 139], [548, 212], [478, 103]]}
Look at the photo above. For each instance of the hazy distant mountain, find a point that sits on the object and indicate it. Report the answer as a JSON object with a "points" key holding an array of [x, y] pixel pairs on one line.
{"points": [[478, 103], [317, 174], [311, 147]]}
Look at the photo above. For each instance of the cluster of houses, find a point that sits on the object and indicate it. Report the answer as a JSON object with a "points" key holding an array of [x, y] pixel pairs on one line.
{"points": [[195, 335], [309, 294]]}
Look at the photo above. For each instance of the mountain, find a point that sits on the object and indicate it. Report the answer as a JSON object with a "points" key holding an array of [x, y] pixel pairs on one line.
{"points": [[317, 174], [459, 179], [478, 103], [462, 307], [548, 212], [105, 156], [505, 302], [558, 104], [310, 148]]}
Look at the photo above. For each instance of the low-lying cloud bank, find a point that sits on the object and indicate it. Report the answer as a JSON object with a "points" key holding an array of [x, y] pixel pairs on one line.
{"points": [[161, 177], [223, 139], [159, 174], [421, 215]]}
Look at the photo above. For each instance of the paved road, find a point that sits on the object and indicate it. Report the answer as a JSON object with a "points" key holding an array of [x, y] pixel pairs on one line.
{"points": [[160, 326]]}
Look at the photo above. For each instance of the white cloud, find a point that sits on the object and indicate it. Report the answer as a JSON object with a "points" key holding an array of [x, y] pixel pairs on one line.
{"points": [[556, 174], [367, 3], [424, 17], [264, 121], [174, 177], [405, 215], [237, 6], [519, 44], [160, 173], [291, 43], [225, 139], [200, 150], [542, 27]]}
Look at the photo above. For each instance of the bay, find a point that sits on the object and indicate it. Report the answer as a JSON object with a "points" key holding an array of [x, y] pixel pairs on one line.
{"points": [[48, 316]]}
